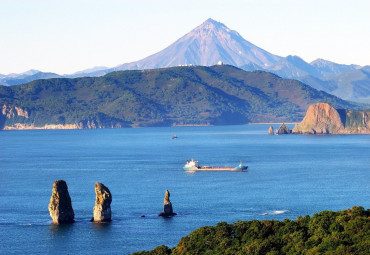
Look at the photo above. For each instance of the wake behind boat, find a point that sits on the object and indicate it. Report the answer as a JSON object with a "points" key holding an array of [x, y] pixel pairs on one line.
{"points": [[192, 165]]}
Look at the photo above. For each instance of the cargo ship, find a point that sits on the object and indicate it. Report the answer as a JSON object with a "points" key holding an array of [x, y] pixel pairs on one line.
{"points": [[193, 165]]}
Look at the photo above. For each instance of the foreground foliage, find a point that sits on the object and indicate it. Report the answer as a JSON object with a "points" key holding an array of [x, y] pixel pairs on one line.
{"points": [[345, 232]]}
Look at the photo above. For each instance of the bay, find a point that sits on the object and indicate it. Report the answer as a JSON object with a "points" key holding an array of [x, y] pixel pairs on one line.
{"points": [[288, 176]]}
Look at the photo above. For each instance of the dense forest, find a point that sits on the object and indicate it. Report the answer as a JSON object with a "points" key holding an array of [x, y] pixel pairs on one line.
{"points": [[327, 232], [162, 97]]}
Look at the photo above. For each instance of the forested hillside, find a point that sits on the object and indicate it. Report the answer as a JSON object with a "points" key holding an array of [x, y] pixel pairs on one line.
{"points": [[161, 97]]}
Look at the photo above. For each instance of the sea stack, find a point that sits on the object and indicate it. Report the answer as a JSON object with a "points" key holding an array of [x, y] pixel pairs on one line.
{"points": [[271, 130], [167, 206], [60, 206], [283, 130], [102, 210]]}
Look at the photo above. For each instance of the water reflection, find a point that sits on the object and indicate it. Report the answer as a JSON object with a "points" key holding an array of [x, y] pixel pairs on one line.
{"points": [[60, 230], [102, 225], [65, 231]]}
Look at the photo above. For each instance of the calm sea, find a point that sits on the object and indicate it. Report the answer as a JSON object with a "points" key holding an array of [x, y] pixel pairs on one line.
{"points": [[287, 176]]}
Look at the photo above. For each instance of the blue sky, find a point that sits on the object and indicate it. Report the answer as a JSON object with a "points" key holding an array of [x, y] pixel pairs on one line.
{"points": [[72, 35]]}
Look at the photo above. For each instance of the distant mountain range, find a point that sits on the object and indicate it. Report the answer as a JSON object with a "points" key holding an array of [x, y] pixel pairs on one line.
{"points": [[350, 82], [31, 75], [212, 42], [192, 95]]}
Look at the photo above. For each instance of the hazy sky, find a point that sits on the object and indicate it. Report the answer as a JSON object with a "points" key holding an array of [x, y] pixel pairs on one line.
{"points": [[71, 35]]}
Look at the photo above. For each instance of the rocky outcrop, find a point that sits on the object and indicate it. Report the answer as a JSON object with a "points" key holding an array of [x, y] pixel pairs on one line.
{"points": [[17, 118], [283, 130], [60, 206], [94, 124], [11, 112], [322, 118], [271, 130], [167, 206], [8, 112], [102, 210]]}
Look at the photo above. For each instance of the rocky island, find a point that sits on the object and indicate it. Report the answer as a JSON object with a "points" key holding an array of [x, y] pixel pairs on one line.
{"points": [[323, 118], [271, 130], [60, 206], [283, 130], [167, 206], [102, 209]]}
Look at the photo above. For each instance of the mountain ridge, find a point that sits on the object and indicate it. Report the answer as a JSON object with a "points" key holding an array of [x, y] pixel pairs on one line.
{"points": [[213, 41], [196, 95]]}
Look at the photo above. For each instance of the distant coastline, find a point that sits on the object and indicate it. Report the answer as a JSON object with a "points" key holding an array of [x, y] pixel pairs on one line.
{"points": [[20, 126], [272, 123], [192, 125]]}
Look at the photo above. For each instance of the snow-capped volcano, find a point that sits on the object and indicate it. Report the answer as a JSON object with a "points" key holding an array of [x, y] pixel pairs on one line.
{"points": [[205, 45]]}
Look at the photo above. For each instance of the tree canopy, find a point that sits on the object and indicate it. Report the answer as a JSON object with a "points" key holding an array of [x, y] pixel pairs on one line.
{"points": [[327, 232]]}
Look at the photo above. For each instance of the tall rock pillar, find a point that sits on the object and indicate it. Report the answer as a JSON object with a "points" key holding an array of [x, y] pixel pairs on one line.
{"points": [[167, 206], [271, 130], [60, 206], [102, 210]]}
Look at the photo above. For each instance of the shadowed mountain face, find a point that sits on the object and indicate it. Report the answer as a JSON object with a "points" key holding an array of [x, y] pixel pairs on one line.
{"points": [[207, 44], [353, 84], [350, 82], [196, 95], [350, 85], [293, 67], [328, 68]]}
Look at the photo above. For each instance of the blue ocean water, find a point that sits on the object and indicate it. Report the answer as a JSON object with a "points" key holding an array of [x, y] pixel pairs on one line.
{"points": [[288, 176]]}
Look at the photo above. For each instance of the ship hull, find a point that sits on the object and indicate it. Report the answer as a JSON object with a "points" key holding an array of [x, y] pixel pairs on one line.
{"points": [[232, 169]]}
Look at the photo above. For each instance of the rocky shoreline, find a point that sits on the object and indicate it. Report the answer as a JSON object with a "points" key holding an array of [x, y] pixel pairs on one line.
{"points": [[320, 118], [19, 126]]}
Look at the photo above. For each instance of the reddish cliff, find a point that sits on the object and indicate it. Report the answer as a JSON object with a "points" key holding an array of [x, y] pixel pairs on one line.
{"points": [[322, 118]]}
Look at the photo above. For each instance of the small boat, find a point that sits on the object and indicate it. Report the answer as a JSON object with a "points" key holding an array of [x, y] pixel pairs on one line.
{"points": [[192, 165], [174, 136]]}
